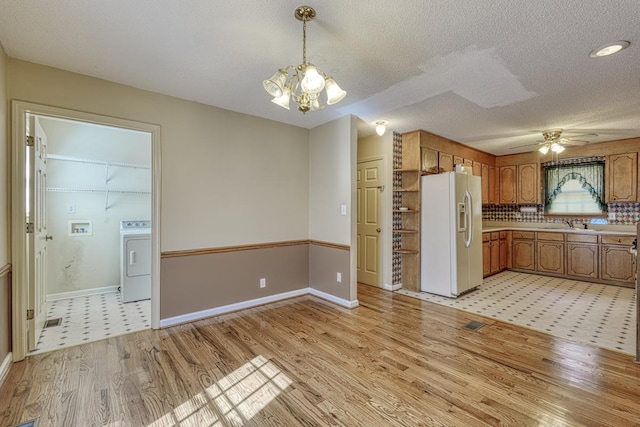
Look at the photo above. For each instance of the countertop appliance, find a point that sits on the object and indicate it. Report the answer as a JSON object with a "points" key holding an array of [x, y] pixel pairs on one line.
{"points": [[135, 260], [451, 240]]}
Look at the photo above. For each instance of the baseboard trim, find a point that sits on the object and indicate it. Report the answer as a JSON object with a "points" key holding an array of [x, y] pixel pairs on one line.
{"points": [[334, 299], [203, 314], [82, 293], [393, 287], [198, 315], [4, 368]]}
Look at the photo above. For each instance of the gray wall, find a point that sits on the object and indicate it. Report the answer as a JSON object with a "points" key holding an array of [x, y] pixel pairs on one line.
{"points": [[5, 282]]}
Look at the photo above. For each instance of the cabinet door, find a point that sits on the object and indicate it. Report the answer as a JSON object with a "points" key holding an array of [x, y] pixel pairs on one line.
{"points": [[550, 257], [429, 160], [622, 177], [617, 264], [477, 169], [457, 160], [528, 183], [486, 259], [524, 254], [507, 176], [495, 256], [484, 178], [445, 162], [493, 185], [504, 254], [582, 260]]}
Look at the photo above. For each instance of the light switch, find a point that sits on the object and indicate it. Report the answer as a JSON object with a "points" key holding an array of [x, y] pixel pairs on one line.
{"points": [[71, 208], [343, 209]]}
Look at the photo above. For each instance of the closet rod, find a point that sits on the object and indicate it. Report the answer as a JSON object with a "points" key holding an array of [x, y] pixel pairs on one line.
{"points": [[96, 162], [90, 190]]}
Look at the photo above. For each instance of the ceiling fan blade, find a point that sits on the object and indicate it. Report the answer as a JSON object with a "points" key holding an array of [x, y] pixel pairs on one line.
{"points": [[523, 146], [574, 142], [583, 134]]}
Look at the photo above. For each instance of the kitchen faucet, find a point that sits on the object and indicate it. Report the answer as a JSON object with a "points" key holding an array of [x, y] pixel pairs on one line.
{"points": [[569, 223]]}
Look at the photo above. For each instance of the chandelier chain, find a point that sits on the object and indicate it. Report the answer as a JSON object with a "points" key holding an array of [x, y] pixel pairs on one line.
{"points": [[304, 40]]}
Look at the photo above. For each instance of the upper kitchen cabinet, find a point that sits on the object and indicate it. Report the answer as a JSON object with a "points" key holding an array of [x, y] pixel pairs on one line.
{"points": [[622, 177], [507, 176], [446, 162], [429, 160], [528, 184]]}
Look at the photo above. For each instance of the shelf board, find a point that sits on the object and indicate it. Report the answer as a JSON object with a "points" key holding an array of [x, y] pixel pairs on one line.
{"points": [[408, 211], [404, 230], [402, 190], [406, 251], [406, 170]]}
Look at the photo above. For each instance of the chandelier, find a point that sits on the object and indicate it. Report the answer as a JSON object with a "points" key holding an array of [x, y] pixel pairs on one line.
{"points": [[304, 83]]}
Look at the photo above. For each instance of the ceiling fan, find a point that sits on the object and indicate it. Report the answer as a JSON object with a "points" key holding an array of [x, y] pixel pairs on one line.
{"points": [[554, 141]]}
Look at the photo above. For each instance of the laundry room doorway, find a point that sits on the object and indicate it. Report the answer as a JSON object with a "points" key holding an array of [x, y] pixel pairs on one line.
{"points": [[98, 175]]}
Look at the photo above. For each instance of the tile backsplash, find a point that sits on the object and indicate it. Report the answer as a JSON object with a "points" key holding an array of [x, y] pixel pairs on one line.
{"points": [[625, 214]]}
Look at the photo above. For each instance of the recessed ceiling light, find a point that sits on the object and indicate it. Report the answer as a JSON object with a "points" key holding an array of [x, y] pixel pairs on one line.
{"points": [[609, 49]]}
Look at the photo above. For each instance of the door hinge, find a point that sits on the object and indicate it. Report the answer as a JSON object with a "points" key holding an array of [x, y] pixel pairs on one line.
{"points": [[29, 227], [30, 141], [30, 314]]}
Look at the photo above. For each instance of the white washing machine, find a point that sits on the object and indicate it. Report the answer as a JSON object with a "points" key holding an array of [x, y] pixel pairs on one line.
{"points": [[135, 260]]}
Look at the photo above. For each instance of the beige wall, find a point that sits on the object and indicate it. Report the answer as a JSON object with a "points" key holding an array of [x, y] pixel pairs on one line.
{"points": [[332, 177], [5, 282], [227, 178]]}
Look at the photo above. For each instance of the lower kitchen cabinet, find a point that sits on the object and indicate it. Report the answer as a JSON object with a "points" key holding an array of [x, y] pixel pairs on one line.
{"points": [[550, 253], [582, 256], [617, 264], [495, 252], [523, 250]]}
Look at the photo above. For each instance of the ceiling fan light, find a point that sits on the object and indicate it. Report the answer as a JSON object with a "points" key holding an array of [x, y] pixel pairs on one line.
{"points": [[335, 94], [557, 148], [283, 100], [544, 149], [275, 85], [312, 82]]}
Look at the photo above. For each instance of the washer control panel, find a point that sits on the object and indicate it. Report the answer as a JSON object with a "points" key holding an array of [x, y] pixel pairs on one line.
{"points": [[134, 224]]}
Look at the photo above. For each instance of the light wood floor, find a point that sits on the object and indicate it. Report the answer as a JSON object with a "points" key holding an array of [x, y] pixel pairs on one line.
{"points": [[394, 360]]}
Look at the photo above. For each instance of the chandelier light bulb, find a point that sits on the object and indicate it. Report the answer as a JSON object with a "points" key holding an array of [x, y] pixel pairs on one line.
{"points": [[334, 93], [312, 82], [283, 100]]}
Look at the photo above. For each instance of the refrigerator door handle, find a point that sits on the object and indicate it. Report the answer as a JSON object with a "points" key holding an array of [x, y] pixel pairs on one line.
{"points": [[468, 219]]}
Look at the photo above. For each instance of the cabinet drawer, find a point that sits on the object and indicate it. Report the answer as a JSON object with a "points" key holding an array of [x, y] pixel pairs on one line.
{"points": [[524, 235], [486, 237], [495, 235], [503, 234], [555, 237], [618, 240], [582, 238]]}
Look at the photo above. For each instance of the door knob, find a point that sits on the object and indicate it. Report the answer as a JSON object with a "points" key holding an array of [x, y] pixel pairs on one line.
{"points": [[48, 237], [378, 229]]}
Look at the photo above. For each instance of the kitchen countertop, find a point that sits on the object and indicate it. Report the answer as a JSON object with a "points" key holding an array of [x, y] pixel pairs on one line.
{"points": [[625, 230]]}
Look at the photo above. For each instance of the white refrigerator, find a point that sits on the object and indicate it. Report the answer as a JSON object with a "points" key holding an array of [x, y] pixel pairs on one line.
{"points": [[451, 239]]}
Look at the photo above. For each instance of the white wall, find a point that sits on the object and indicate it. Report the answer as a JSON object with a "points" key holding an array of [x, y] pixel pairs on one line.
{"points": [[4, 164], [83, 262], [227, 178]]}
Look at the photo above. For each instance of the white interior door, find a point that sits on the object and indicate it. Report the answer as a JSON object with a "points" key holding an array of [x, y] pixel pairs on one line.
{"points": [[37, 246], [370, 182]]}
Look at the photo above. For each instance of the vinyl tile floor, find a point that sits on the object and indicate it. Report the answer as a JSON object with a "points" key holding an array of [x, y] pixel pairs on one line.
{"points": [[91, 318], [600, 315]]}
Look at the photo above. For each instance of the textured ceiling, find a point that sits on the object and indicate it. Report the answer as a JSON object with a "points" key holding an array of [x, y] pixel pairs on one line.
{"points": [[490, 74]]}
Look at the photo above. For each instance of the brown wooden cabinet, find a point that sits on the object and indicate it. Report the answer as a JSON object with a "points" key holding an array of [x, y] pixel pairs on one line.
{"points": [[523, 250], [622, 177], [477, 169], [485, 183], [582, 256], [507, 176], [504, 250], [528, 184], [493, 185], [495, 252], [550, 253], [429, 160], [445, 162], [617, 264], [486, 254]]}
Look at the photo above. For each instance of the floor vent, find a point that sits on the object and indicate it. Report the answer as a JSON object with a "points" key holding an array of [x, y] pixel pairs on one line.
{"points": [[52, 322], [474, 326], [30, 423]]}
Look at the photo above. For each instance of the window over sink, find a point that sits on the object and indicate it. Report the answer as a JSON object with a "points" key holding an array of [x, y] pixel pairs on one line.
{"points": [[575, 187]]}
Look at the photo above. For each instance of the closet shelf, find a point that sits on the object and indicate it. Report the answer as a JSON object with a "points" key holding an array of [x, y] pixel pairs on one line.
{"points": [[96, 161], [92, 190]]}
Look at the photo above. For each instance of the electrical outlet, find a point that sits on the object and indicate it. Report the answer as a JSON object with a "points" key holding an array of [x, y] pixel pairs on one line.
{"points": [[263, 283], [71, 208], [612, 216], [339, 277]]}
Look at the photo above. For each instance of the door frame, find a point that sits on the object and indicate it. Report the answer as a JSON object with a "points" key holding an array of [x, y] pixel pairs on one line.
{"points": [[18, 238], [385, 235]]}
